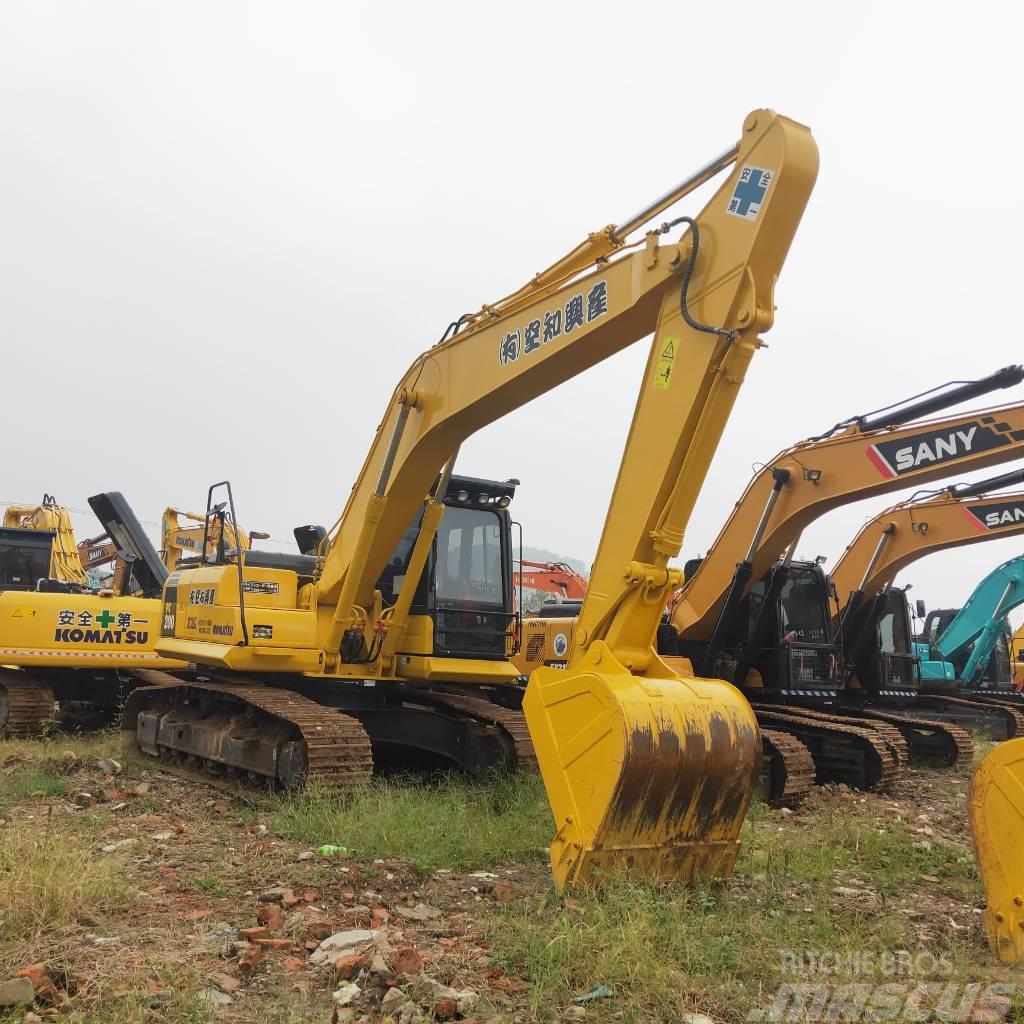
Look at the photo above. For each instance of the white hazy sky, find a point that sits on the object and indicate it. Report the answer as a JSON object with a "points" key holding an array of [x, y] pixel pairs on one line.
{"points": [[227, 228]]}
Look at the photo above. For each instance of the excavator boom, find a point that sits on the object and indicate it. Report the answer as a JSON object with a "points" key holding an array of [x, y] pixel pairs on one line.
{"points": [[866, 457], [977, 625], [902, 534]]}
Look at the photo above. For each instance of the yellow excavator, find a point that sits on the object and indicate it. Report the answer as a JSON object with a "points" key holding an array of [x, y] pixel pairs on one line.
{"points": [[394, 632], [61, 641], [44, 549]]}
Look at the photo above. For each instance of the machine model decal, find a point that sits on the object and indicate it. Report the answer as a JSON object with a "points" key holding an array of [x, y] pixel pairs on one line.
{"points": [[560, 645], [170, 607], [579, 310], [994, 515], [207, 627], [202, 595], [931, 448], [258, 587], [749, 193], [663, 367]]}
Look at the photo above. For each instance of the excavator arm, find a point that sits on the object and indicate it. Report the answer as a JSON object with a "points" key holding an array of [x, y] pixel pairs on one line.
{"points": [[954, 517], [980, 620], [644, 769], [178, 541], [860, 458]]}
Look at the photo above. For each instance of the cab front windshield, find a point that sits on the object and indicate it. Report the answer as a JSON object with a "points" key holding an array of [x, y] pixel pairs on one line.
{"points": [[803, 608], [893, 635], [468, 569]]}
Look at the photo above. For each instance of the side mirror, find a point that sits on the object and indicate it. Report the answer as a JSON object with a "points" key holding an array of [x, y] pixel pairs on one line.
{"points": [[920, 608]]}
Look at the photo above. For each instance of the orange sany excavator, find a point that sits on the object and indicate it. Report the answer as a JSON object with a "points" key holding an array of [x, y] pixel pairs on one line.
{"points": [[881, 666], [557, 578], [313, 664]]}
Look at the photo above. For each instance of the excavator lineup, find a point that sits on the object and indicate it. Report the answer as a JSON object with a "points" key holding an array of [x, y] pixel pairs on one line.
{"points": [[943, 682], [64, 642], [60, 641], [392, 632], [751, 613]]}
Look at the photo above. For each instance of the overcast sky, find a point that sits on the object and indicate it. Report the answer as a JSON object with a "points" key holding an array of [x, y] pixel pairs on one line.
{"points": [[226, 229]]}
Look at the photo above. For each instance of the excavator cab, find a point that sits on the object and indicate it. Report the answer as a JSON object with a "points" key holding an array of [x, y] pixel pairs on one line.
{"points": [[778, 637], [879, 645], [789, 625], [466, 587], [25, 557]]}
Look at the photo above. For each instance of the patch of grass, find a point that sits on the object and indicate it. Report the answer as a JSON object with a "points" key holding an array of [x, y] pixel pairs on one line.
{"points": [[716, 948], [21, 782], [211, 884], [49, 877], [452, 823], [58, 747]]}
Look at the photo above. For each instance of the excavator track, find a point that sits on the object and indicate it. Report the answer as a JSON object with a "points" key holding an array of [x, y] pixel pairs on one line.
{"points": [[250, 728], [27, 706], [887, 732], [511, 722], [857, 756], [787, 768], [928, 738], [1012, 717]]}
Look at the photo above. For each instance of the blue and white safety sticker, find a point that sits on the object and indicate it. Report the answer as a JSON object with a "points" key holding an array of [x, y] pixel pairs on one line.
{"points": [[750, 192]]}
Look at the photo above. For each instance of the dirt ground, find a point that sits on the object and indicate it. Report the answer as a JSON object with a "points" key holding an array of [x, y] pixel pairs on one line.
{"points": [[177, 874]]}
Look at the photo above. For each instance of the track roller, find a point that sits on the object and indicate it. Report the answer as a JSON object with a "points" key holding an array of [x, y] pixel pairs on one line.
{"points": [[248, 730], [27, 706]]}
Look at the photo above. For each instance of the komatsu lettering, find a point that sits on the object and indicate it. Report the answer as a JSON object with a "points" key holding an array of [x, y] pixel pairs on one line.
{"points": [[101, 636]]}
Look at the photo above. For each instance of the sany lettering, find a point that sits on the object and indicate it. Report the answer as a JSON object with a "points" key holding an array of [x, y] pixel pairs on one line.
{"points": [[957, 442]]}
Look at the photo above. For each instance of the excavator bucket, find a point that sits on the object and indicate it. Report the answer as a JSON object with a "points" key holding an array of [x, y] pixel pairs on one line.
{"points": [[996, 803], [650, 777]]}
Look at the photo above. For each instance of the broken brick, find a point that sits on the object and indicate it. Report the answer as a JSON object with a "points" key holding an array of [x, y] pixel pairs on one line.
{"points": [[271, 915], [250, 958], [347, 967], [407, 960]]}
